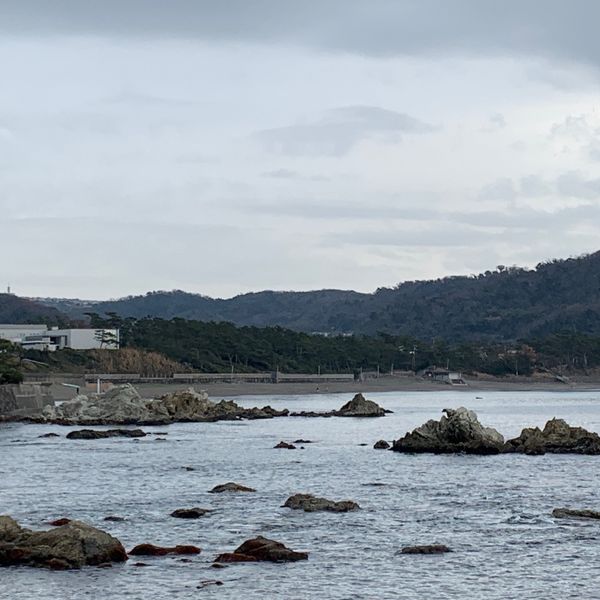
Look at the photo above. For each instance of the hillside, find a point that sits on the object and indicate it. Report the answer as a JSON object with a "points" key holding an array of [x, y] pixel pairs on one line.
{"points": [[507, 304], [14, 309]]}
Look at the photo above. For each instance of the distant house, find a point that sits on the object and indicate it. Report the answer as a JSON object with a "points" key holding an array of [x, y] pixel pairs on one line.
{"points": [[40, 337], [444, 376]]}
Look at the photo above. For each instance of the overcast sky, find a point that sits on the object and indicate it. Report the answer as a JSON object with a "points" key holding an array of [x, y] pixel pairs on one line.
{"points": [[236, 145]]}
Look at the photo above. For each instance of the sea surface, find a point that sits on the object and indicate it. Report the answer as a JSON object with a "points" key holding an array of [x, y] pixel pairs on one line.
{"points": [[493, 511]]}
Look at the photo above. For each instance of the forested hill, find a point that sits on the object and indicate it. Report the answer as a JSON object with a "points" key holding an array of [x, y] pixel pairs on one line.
{"points": [[509, 303], [14, 309]]}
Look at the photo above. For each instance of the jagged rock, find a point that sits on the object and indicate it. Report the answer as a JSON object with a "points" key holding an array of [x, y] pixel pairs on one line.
{"points": [[381, 445], [310, 503], [69, 546], [122, 405], [557, 437], [285, 446], [357, 407], [94, 434], [230, 487], [583, 513], [152, 550], [431, 549], [261, 549], [189, 513], [458, 431]]}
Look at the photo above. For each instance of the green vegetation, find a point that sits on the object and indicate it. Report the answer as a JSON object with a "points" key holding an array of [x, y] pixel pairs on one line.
{"points": [[10, 359], [219, 347]]}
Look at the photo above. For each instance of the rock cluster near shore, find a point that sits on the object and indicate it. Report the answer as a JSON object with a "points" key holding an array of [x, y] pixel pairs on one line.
{"points": [[69, 546], [458, 430], [124, 406], [359, 406]]}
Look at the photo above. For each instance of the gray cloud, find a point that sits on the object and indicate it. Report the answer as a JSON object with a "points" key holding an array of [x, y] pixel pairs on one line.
{"points": [[380, 27], [339, 129]]}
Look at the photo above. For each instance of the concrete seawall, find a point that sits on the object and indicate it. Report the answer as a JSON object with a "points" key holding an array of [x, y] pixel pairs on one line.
{"points": [[24, 399]]}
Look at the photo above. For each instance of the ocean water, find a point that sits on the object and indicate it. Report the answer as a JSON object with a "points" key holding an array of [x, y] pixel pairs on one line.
{"points": [[493, 511]]}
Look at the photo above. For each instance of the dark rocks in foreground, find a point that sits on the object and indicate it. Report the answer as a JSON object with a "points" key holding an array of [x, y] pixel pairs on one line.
{"points": [[189, 513], [95, 434], [310, 503], [261, 549], [429, 549], [230, 487], [69, 546], [152, 550], [573, 513], [557, 437], [458, 431], [359, 406]]}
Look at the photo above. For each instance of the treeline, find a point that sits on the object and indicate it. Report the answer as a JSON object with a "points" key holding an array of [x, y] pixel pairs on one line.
{"points": [[10, 363], [212, 347]]}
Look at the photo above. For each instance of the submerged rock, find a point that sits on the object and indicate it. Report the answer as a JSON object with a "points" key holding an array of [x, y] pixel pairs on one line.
{"points": [[381, 445], [430, 549], [458, 431], [285, 446], [230, 487], [557, 437], [96, 434], [152, 550], [357, 407], [573, 513], [122, 405], [69, 546], [310, 503], [189, 513], [49, 435], [114, 518], [261, 549], [59, 522]]}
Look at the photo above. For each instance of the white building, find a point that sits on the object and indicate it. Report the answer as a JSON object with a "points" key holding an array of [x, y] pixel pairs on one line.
{"points": [[40, 337]]}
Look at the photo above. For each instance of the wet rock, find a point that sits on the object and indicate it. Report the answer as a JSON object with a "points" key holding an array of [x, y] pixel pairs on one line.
{"points": [[302, 441], [458, 431], [188, 468], [381, 445], [69, 546], [208, 582], [573, 513], [122, 405], [152, 550], [217, 565], [285, 445], [430, 549], [230, 487], [357, 407], [310, 503], [557, 437], [59, 522], [262, 549], [189, 513], [49, 435], [114, 518], [98, 434]]}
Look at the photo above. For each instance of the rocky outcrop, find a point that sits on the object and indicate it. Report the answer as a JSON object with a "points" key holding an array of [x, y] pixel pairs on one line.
{"points": [[70, 546], [573, 513], [557, 437], [95, 434], [285, 446], [458, 431], [122, 405], [309, 503], [430, 549], [152, 550], [189, 513], [230, 486], [357, 407], [261, 549], [381, 445]]}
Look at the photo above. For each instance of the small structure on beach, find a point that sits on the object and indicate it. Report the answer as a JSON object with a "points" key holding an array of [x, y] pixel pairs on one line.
{"points": [[444, 376]]}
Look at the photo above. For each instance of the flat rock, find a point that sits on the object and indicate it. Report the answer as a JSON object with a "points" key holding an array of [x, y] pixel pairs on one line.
{"points": [[189, 513], [114, 518], [457, 431], [49, 435], [310, 503], [152, 550], [573, 513], [430, 549], [261, 549], [69, 546], [230, 487], [557, 437], [99, 434]]}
